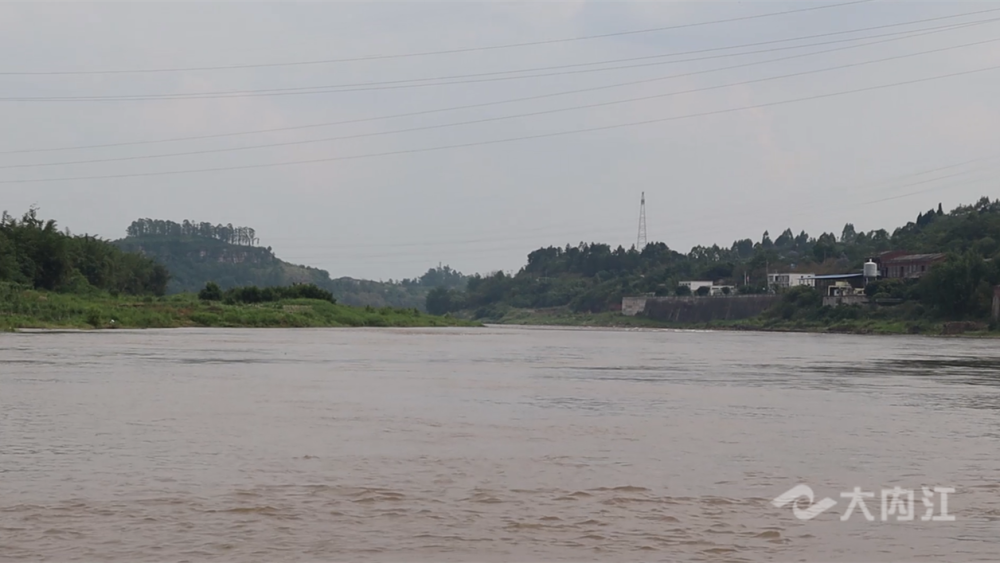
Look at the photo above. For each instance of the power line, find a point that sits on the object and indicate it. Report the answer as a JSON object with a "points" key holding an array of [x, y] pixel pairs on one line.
{"points": [[504, 247], [460, 239], [428, 82], [678, 227], [633, 59], [640, 241], [531, 114], [320, 90], [689, 52], [447, 109], [441, 52], [506, 140]]}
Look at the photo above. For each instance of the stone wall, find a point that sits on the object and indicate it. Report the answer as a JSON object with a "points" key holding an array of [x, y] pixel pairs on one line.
{"points": [[699, 309], [996, 303], [632, 306], [837, 300]]}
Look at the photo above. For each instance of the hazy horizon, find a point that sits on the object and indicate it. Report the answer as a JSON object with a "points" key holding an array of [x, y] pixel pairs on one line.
{"points": [[875, 126]]}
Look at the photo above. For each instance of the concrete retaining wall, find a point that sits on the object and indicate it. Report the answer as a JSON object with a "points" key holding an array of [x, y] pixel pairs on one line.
{"points": [[837, 300], [632, 306], [699, 309]]}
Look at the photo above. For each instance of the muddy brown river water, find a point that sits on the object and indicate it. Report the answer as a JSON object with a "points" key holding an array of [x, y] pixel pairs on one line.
{"points": [[496, 444]]}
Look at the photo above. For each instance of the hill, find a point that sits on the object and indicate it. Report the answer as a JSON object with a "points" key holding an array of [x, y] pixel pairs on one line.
{"points": [[53, 279], [589, 279], [197, 253]]}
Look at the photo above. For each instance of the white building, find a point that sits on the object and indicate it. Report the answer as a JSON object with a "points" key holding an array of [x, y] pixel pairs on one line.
{"points": [[696, 285], [777, 281], [722, 290], [713, 289]]}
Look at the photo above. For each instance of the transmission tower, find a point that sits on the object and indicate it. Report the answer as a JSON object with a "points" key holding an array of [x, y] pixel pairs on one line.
{"points": [[640, 241]]}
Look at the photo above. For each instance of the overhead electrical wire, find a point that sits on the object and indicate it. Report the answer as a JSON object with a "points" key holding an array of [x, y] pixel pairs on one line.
{"points": [[480, 249], [691, 52], [441, 110], [529, 114], [545, 231], [444, 51], [676, 228], [991, 174], [508, 139], [315, 90]]}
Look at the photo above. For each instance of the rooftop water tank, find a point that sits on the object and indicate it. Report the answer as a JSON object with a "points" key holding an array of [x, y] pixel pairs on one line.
{"points": [[871, 269]]}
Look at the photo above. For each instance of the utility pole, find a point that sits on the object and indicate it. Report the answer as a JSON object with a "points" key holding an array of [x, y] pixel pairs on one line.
{"points": [[640, 241], [767, 276]]}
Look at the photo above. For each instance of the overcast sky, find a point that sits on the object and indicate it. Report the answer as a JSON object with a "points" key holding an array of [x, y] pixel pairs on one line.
{"points": [[875, 157]]}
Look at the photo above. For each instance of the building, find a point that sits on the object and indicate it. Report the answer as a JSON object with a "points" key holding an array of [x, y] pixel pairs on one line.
{"points": [[712, 287], [897, 265], [694, 286], [722, 290], [785, 281], [840, 284]]}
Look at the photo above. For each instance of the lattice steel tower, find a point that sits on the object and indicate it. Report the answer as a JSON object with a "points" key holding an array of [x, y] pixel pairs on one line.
{"points": [[640, 241]]}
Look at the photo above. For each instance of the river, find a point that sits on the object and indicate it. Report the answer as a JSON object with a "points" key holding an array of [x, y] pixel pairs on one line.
{"points": [[495, 444]]}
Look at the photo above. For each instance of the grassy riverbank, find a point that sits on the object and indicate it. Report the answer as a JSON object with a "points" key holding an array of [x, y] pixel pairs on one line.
{"points": [[564, 317], [38, 309]]}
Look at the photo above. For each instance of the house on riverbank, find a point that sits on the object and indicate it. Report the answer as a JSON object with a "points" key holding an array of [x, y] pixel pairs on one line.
{"points": [[903, 265], [788, 280]]}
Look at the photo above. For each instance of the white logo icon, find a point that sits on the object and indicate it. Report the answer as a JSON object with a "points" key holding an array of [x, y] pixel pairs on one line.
{"points": [[791, 496], [897, 501]]}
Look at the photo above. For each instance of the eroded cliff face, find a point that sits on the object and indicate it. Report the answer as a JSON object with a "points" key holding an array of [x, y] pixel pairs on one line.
{"points": [[234, 255], [194, 261]]}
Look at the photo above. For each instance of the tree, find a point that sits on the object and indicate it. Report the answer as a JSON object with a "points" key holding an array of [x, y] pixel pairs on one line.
{"points": [[765, 241], [785, 240], [36, 253], [825, 247], [439, 301], [703, 291], [211, 292], [743, 248], [683, 290], [848, 235], [959, 287]]}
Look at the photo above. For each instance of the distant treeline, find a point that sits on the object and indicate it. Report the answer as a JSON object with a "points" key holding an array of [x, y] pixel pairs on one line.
{"points": [[244, 236], [35, 253], [594, 277]]}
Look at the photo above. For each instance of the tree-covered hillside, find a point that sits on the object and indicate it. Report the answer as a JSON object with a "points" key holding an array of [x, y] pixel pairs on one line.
{"points": [[197, 253], [594, 277], [194, 260], [33, 252]]}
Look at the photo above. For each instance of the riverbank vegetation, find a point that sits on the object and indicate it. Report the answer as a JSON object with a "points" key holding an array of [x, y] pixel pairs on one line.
{"points": [[196, 253], [54, 279], [22, 307], [37, 254], [588, 280]]}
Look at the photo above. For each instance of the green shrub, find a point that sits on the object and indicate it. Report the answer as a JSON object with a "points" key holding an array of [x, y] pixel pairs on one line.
{"points": [[253, 294], [205, 319], [211, 292], [94, 318]]}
